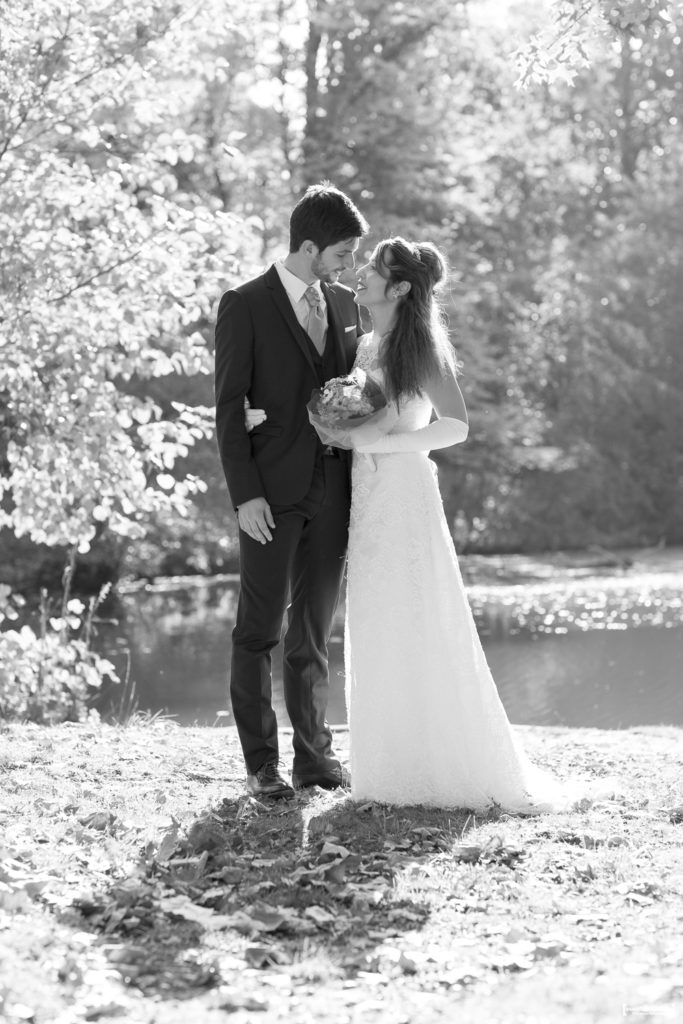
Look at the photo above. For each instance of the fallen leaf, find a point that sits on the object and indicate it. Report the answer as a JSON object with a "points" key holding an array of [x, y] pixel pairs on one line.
{"points": [[583, 870], [231, 875], [641, 901], [181, 906], [332, 851], [168, 843], [12, 899], [112, 1009], [99, 820], [320, 915], [20, 1011], [407, 964], [263, 956], [467, 854], [232, 999], [549, 949]]}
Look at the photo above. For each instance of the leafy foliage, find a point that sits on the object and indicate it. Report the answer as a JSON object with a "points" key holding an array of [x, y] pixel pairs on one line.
{"points": [[50, 676], [106, 271]]}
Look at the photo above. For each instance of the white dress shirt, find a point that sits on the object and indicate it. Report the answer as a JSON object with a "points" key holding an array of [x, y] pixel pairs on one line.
{"points": [[295, 289]]}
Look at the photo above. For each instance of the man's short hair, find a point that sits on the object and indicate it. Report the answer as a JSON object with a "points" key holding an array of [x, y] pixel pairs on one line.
{"points": [[325, 216]]}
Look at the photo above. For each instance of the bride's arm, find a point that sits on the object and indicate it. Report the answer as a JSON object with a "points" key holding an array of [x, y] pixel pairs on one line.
{"points": [[446, 397], [253, 417], [450, 428]]}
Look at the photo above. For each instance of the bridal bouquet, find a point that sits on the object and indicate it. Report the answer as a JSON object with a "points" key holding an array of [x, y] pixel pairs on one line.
{"points": [[344, 405]]}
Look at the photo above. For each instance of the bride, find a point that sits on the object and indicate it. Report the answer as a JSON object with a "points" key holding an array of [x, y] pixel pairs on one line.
{"points": [[426, 723]]}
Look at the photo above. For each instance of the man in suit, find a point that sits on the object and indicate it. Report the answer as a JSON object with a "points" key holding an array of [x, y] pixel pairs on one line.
{"points": [[278, 337]]}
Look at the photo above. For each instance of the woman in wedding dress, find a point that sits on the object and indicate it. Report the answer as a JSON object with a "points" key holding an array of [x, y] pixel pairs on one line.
{"points": [[426, 723]]}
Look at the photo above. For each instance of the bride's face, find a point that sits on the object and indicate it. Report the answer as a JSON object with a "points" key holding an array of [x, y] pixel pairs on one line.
{"points": [[373, 285]]}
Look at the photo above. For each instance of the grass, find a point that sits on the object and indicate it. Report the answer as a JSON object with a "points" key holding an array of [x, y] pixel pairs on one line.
{"points": [[138, 883]]}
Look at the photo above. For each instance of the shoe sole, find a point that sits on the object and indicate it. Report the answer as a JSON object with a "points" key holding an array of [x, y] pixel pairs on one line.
{"points": [[278, 794], [317, 782]]}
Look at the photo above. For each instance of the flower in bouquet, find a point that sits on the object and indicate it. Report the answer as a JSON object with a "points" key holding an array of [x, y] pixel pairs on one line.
{"points": [[344, 405]]}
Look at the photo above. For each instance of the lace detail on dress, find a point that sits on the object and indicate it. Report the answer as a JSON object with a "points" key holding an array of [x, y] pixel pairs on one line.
{"points": [[367, 356], [426, 722]]}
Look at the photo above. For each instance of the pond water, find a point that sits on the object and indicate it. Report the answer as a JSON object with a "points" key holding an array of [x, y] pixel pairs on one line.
{"points": [[605, 652]]}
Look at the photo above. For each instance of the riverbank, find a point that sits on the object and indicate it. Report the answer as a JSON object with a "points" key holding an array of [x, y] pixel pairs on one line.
{"points": [[567, 566], [508, 569], [138, 883]]}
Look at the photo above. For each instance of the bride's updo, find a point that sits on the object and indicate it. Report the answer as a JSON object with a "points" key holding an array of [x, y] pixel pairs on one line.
{"points": [[417, 347]]}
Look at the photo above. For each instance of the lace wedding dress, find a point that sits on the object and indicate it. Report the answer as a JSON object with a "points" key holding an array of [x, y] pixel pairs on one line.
{"points": [[426, 723]]}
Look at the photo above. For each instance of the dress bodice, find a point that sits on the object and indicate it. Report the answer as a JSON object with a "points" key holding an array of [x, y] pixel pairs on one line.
{"points": [[413, 413]]}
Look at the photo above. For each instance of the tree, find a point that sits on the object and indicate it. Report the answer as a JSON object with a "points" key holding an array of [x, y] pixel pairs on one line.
{"points": [[106, 270]]}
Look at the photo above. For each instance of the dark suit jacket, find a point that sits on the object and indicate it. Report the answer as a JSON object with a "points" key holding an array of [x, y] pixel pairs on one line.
{"points": [[263, 353]]}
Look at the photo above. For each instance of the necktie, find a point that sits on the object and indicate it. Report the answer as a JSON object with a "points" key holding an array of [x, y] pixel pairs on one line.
{"points": [[315, 321]]}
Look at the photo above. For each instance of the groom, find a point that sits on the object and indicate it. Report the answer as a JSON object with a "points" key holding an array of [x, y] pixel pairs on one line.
{"points": [[278, 337]]}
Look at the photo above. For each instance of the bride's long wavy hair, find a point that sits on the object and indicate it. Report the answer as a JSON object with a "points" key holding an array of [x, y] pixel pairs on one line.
{"points": [[417, 346]]}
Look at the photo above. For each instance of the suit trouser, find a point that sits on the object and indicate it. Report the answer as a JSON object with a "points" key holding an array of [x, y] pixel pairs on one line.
{"points": [[305, 560]]}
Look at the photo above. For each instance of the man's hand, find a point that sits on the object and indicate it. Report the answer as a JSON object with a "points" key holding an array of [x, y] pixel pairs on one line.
{"points": [[256, 519]]}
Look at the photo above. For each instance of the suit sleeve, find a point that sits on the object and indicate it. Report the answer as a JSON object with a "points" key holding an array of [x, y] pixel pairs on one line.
{"points": [[234, 366]]}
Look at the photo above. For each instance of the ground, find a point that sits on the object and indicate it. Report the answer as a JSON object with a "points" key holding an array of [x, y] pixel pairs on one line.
{"points": [[139, 883]]}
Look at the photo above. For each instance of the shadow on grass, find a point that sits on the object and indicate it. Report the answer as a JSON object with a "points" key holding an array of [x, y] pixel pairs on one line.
{"points": [[307, 886]]}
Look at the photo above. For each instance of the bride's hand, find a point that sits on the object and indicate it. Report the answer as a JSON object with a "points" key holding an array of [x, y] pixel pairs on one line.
{"points": [[253, 417]]}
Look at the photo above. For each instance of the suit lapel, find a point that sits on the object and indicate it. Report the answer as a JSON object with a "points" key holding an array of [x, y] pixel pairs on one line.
{"points": [[281, 300]]}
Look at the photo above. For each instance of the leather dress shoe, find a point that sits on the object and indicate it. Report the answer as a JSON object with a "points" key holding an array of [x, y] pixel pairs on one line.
{"points": [[268, 781], [336, 777]]}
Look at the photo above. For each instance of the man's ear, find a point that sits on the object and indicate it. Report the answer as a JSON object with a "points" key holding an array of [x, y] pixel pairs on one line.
{"points": [[309, 248]]}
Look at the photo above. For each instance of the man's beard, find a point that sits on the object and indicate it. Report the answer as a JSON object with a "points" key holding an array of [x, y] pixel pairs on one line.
{"points": [[321, 272]]}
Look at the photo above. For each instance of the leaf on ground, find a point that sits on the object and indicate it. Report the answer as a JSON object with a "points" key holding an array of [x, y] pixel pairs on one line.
{"points": [[182, 906], [518, 956], [335, 872], [168, 843], [232, 999], [19, 1011], [111, 1009], [584, 871], [13, 900], [467, 854], [405, 963], [215, 893], [264, 956], [99, 820], [188, 869], [230, 875], [331, 851], [641, 901], [207, 834], [15, 876], [402, 914], [588, 840], [273, 919], [398, 844], [498, 852], [320, 915], [642, 893], [460, 976]]}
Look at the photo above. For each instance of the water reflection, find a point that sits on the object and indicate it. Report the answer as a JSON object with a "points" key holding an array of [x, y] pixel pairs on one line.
{"points": [[606, 653]]}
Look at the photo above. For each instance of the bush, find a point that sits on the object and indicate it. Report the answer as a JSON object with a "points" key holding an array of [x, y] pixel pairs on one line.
{"points": [[50, 676]]}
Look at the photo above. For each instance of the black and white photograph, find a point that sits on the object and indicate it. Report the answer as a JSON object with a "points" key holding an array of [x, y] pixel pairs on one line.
{"points": [[341, 511]]}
